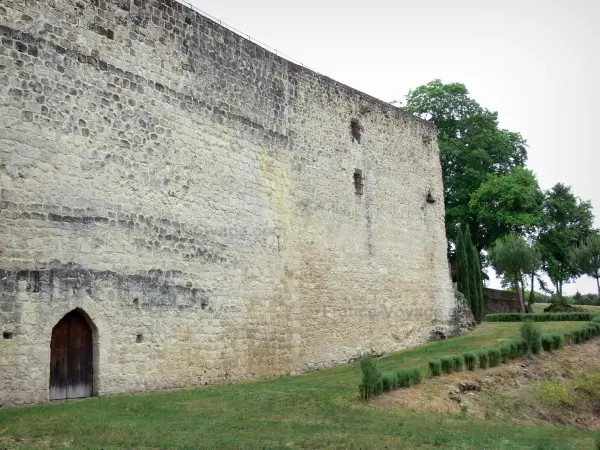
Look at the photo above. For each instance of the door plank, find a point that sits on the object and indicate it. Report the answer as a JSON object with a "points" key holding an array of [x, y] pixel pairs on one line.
{"points": [[58, 360], [80, 364]]}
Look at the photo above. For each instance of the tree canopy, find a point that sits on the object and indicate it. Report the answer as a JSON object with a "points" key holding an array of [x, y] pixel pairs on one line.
{"points": [[488, 190], [512, 257], [566, 221], [472, 146], [586, 258], [508, 202]]}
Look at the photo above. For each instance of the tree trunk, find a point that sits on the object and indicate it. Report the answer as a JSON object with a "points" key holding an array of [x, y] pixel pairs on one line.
{"points": [[531, 293], [522, 282], [558, 287], [598, 284], [519, 293]]}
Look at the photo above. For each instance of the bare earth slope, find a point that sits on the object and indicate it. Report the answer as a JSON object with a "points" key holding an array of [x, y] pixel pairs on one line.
{"points": [[559, 388]]}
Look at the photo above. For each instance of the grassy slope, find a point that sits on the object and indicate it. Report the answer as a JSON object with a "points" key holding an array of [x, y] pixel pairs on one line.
{"points": [[539, 307], [315, 410]]}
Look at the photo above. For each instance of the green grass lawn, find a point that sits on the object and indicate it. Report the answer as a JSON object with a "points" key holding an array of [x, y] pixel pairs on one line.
{"points": [[539, 307], [315, 410]]}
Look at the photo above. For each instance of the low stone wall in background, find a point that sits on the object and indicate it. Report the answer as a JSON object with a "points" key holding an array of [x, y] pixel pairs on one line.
{"points": [[497, 301]]}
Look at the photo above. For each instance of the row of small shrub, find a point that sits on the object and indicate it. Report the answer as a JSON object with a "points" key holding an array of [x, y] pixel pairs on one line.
{"points": [[582, 334], [552, 341], [401, 378], [375, 383], [531, 342], [584, 316], [482, 359]]}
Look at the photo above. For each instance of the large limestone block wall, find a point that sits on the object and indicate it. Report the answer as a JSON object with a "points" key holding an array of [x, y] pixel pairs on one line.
{"points": [[193, 196]]}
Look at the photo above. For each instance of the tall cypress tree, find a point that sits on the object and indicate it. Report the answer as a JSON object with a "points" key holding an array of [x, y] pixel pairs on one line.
{"points": [[476, 287], [476, 279], [462, 267], [471, 254]]}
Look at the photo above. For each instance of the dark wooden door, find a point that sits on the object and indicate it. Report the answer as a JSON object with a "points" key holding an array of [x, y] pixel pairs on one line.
{"points": [[71, 361], [58, 360]]}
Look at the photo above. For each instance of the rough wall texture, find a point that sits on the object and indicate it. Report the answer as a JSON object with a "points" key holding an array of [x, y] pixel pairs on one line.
{"points": [[172, 180], [498, 301]]}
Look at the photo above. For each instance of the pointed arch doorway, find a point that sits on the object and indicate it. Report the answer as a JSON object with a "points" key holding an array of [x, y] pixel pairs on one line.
{"points": [[71, 358]]}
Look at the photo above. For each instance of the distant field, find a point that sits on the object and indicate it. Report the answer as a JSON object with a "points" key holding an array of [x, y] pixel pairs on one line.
{"points": [[539, 307], [320, 409]]}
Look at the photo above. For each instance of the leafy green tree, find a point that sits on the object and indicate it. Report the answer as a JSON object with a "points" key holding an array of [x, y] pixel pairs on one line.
{"points": [[586, 258], [472, 146], [507, 202], [511, 257], [566, 221]]}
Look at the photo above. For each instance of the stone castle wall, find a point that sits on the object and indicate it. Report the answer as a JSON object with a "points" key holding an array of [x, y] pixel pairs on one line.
{"points": [[193, 195]]}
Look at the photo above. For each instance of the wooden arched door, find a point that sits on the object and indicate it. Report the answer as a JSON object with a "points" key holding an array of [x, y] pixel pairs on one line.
{"points": [[71, 358]]}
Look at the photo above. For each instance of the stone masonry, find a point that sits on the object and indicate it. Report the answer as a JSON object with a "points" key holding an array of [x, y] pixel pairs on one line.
{"points": [[498, 301], [216, 212]]}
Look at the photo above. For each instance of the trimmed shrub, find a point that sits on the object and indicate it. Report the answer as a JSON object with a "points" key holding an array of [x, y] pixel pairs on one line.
{"points": [[388, 382], [470, 360], [505, 353], [435, 368], [584, 316], [513, 349], [547, 342], [494, 357], [532, 336], [402, 378], [568, 338], [523, 347], [372, 383], [459, 362], [557, 341], [504, 317], [585, 333], [415, 375], [447, 365], [483, 359], [591, 331], [578, 337], [406, 377]]}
